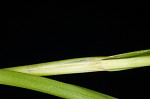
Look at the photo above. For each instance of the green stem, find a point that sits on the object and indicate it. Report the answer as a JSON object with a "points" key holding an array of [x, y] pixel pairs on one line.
{"points": [[82, 65]]}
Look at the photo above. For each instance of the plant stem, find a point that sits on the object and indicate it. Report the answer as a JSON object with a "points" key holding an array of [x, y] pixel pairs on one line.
{"points": [[82, 65]]}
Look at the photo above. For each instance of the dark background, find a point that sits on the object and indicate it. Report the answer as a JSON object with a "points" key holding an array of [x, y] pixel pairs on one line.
{"points": [[48, 31]]}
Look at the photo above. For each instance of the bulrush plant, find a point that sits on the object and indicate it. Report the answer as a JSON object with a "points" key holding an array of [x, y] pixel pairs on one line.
{"points": [[29, 76]]}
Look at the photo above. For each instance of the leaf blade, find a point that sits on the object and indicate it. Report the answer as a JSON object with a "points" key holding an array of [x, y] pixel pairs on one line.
{"points": [[48, 86]]}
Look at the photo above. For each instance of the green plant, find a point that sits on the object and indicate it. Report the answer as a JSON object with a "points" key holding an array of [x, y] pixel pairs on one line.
{"points": [[29, 76]]}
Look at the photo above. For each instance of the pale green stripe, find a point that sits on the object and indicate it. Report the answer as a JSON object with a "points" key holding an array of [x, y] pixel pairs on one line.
{"points": [[83, 65]]}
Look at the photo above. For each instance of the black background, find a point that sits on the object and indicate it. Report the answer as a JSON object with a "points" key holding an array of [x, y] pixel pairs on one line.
{"points": [[48, 31]]}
